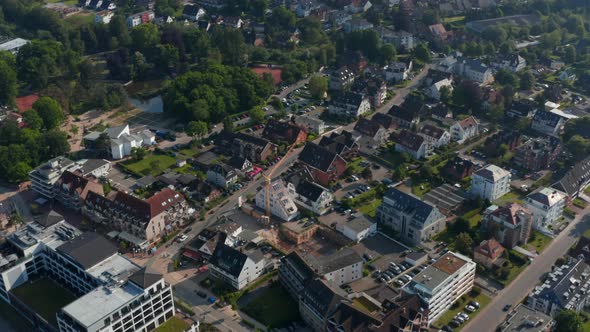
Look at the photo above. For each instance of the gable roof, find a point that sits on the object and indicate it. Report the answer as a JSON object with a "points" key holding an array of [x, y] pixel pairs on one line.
{"points": [[317, 156], [310, 190], [367, 127], [88, 249], [467, 123], [145, 277], [410, 140], [490, 248], [228, 259], [402, 113], [287, 131], [577, 176], [432, 131], [191, 10], [339, 142], [163, 199], [385, 120]]}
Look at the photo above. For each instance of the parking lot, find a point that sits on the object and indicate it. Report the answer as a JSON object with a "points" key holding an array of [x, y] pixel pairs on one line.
{"points": [[121, 180]]}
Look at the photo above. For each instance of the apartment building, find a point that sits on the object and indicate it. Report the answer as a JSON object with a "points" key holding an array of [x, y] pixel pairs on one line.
{"points": [[44, 177], [72, 188], [511, 224], [235, 268], [546, 206], [538, 153], [350, 104], [282, 205], [121, 296], [464, 129], [526, 319], [341, 79], [414, 219], [491, 182], [309, 194], [141, 222], [442, 283]]}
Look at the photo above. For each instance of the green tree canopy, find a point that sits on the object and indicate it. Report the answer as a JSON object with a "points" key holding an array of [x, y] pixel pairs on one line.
{"points": [[318, 86], [50, 111], [568, 321], [8, 80]]}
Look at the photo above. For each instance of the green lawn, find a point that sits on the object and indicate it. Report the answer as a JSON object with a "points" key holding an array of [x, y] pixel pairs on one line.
{"points": [[274, 307], [459, 306], [420, 189], [540, 242], [580, 203], [174, 324], [511, 197], [453, 19], [369, 209], [78, 20], [153, 164], [44, 296]]}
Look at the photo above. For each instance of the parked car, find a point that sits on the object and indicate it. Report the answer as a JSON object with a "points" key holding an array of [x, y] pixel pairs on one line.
{"points": [[447, 328], [187, 230], [507, 307], [212, 299], [475, 304], [202, 294], [470, 308], [182, 238]]}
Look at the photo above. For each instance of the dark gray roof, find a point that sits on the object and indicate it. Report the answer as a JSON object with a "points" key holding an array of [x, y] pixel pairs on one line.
{"points": [[191, 10], [50, 219], [228, 259], [145, 277], [317, 157], [575, 178], [349, 98], [367, 127], [410, 140], [322, 296], [432, 131], [309, 190], [92, 164], [334, 262], [88, 249], [548, 118], [409, 204]]}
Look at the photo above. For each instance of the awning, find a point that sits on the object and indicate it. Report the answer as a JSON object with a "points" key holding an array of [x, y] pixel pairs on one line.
{"points": [[133, 239], [192, 254], [112, 234]]}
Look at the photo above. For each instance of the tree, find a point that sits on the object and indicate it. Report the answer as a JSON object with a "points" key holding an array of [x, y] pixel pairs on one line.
{"points": [[463, 243], [16, 219], [50, 111], [570, 54], [228, 124], [495, 34], [527, 80], [145, 37], [445, 94], [422, 53], [56, 142], [197, 129], [138, 153], [461, 225], [33, 120], [367, 173], [387, 53], [318, 85], [257, 114], [578, 146], [8, 82], [506, 77], [568, 321]]}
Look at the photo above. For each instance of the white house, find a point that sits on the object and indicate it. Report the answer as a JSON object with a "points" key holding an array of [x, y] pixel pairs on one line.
{"points": [[192, 12], [121, 140], [434, 90], [547, 206], [222, 175], [474, 70], [411, 143], [397, 71], [491, 182], [235, 268], [282, 205], [350, 104], [103, 17], [313, 125], [356, 228], [464, 129], [311, 196]]}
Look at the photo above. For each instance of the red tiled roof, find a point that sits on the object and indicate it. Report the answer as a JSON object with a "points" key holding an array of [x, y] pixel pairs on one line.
{"points": [[468, 122], [490, 248], [508, 213], [162, 200], [275, 72], [26, 103]]}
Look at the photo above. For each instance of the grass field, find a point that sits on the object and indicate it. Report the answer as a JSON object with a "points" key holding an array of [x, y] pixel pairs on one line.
{"points": [[453, 19], [369, 209], [541, 241], [274, 307], [174, 324], [153, 164], [459, 306], [44, 296], [78, 20]]}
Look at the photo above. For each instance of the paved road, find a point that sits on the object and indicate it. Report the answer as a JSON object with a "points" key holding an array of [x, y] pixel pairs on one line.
{"points": [[492, 315]]}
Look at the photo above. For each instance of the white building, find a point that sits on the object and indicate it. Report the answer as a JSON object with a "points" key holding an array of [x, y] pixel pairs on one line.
{"points": [[121, 140], [397, 71], [235, 268], [443, 283], [341, 267], [222, 175], [434, 91], [282, 205], [45, 176], [13, 45], [311, 196], [464, 129], [546, 205], [313, 125], [356, 228], [103, 17], [491, 182]]}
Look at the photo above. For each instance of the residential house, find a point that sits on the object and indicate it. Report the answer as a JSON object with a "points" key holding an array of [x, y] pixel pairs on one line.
{"points": [[401, 40], [234, 22], [350, 104], [358, 6], [222, 175], [203, 192], [121, 140], [103, 17], [324, 165], [341, 79], [546, 206], [318, 301], [308, 194], [435, 137], [548, 123], [458, 168], [357, 24], [72, 188], [372, 130], [511, 224], [277, 131], [435, 90], [438, 31], [97, 168], [384, 120], [441, 113], [253, 148], [465, 129], [525, 319], [404, 117], [140, 18], [240, 164], [282, 205], [491, 182], [513, 62], [235, 268], [474, 70], [538, 153], [343, 143], [311, 124], [374, 88], [442, 283], [141, 222], [581, 250], [488, 253], [412, 144], [565, 288], [356, 228], [415, 220], [306, 7], [397, 71], [192, 12], [576, 180]]}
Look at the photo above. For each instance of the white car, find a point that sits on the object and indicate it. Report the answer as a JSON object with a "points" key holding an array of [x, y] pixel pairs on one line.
{"points": [[470, 308], [182, 238]]}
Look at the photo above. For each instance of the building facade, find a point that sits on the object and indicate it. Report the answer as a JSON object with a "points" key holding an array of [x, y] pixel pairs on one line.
{"points": [[491, 182], [546, 206]]}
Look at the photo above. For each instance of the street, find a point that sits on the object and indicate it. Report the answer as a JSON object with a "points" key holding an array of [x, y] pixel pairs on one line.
{"points": [[492, 315]]}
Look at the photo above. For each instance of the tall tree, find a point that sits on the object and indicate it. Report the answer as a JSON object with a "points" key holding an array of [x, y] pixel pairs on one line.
{"points": [[33, 120], [318, 85], [197, 129], [463, 243], [8, 80], [568, 321], [422, 53], [50, 111]]}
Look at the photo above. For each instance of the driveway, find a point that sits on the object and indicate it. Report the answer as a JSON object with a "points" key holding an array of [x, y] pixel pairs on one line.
{"points": [[492, 315]]}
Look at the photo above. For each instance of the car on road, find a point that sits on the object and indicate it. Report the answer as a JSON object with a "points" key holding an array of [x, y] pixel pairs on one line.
{"points": [[182, 238], [187, 230], [212, 299], [202, 294], [507, 307]]}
